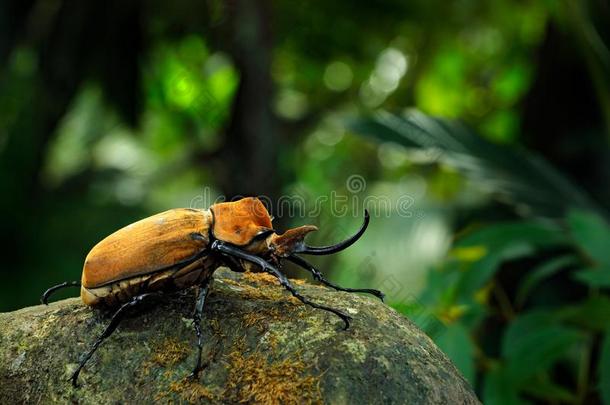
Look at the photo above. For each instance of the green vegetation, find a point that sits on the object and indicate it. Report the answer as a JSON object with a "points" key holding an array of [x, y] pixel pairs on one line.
{"points": [[524, 303]]}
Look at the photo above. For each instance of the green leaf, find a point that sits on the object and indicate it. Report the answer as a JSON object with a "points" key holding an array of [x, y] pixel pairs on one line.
{"points": [[547, 391], [597, 277], [455, 342], [507, 241], [535, 233], [497, 390], [481, 271], [592, 313], [592, 234], [518, 177], [604, 369], [533, 342], [539, 273]]}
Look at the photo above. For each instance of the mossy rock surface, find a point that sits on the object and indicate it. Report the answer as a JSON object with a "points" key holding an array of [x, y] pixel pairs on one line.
{"points": [[261, 346]]}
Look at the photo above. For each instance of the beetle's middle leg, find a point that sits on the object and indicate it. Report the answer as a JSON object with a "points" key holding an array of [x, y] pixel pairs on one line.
{"points": [[114, 322], [201, 297]]}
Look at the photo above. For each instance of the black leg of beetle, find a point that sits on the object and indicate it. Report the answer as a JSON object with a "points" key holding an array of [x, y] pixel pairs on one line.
{"points": [[45, 296], [202, 294], [267, 267], [233, 264], [287, 285], [320, 277], [114, 322]]}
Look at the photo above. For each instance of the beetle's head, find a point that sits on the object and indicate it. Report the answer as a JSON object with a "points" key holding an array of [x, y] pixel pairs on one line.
{"points": [[289, 242], [247, 224]]}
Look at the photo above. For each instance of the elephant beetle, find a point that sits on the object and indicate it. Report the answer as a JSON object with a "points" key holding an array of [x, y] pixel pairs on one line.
{"points": [[181, 248]]}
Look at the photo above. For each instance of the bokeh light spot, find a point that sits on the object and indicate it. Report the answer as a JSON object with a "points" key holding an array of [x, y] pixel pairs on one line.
{"points": [[338, 76]]}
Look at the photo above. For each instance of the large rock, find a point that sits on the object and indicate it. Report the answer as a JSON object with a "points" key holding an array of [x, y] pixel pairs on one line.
{"points": [[262, 346]]}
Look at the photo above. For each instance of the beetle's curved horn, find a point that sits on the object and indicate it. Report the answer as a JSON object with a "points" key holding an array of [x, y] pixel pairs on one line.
{"points": [[327, 250]]}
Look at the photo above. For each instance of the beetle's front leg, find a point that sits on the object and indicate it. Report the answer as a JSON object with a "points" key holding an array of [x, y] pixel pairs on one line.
{"points": [[269, 268], [320, 277], [201, 297]]}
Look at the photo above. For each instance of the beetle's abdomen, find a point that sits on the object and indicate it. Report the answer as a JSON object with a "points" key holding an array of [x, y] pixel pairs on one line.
{"points": [[176, 278], [146, 247]]}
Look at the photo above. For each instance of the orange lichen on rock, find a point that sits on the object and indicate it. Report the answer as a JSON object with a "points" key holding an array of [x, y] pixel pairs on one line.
{"points": [[261, 292], [265, 278], [170, 352], [254, 378], [262, 317], [260, 278], [191, 391]]}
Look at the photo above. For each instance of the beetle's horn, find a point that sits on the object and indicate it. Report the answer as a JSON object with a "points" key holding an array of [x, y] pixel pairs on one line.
{"points": [[327, 250]]}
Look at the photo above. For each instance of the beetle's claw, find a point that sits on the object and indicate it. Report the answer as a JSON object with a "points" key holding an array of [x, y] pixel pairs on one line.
{"points": [[194, 376], [346, 319], [73, 379], [378, 294]]}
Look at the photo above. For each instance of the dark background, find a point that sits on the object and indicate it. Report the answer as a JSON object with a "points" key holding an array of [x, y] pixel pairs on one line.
{"points": [[112, 111]]}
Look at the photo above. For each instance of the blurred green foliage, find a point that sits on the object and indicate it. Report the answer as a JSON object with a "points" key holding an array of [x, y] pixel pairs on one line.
{"points": [[113, 111], [524, 303]]}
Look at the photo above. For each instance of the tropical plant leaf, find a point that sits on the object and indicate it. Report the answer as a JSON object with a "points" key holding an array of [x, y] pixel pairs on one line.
{"points": [[518, 177], [456, 343], [536, 233], [548, 391], [592, 234], [598, 277], [497, 390], [545, 270], [592, 313], [604, 369], [533, 342], [504, 242]]}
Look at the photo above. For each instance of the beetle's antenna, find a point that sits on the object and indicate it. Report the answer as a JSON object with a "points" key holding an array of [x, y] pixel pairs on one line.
{"points": [[327, 250], [229, 250], [320, 277], [45, 296]]}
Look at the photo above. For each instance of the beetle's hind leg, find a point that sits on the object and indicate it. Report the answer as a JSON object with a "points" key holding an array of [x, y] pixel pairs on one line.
{"points": [[199, 304], [320, 277], [45, 296], [114, 322], [269, 268]]}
